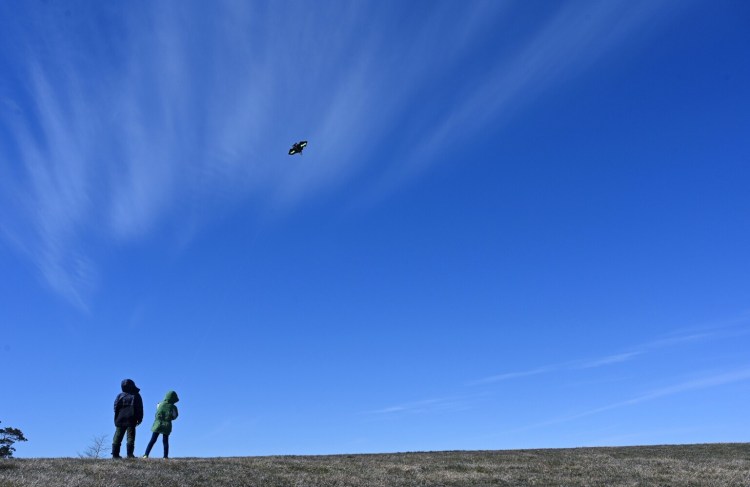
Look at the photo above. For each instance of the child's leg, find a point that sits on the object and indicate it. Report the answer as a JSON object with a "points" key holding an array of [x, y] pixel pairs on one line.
{"points": [[165, 442], [154, 436], [131, 441], [117, 441]]}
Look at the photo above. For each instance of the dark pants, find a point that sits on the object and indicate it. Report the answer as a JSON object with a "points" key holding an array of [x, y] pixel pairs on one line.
{"points": [[164, 440], [117, 440], [120, 433]]}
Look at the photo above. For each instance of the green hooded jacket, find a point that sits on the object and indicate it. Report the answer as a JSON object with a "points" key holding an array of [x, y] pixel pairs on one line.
{"points": [[166, 412]]}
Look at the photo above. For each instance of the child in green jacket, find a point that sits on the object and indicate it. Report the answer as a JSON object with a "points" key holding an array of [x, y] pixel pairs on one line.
{"points": [[166, 412]]}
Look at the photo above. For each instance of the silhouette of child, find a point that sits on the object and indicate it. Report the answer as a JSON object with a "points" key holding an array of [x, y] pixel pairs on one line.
{"points": [[166, 412], [128, 415]]}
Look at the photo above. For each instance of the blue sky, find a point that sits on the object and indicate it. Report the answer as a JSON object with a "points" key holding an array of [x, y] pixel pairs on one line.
{"points": [[516, 224]]}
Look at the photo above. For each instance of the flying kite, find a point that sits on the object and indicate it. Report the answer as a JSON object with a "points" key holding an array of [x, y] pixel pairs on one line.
{"points": [[297, 148]]}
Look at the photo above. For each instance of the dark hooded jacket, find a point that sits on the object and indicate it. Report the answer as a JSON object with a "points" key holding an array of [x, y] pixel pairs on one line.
{"points": [[128, 406], [166, 412]]}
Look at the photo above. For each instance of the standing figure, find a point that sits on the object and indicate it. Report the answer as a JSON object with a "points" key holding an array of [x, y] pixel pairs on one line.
{"points": [[128, 415], [166, 412]]}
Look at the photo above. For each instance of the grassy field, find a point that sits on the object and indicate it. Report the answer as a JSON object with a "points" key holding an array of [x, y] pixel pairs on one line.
{"points": [[686, 465]]}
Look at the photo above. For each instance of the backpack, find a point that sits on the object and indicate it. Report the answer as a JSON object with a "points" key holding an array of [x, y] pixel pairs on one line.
{"points": [[126, 414]]}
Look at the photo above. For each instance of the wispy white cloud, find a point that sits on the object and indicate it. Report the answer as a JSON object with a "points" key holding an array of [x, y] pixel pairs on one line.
{"points": [[610, 360], [516, 375], [186, 110], [706, 382], [434, 405], [676, 339], [55, 197], [579, 34], [562, 366], [191, 108], [688, 336]]}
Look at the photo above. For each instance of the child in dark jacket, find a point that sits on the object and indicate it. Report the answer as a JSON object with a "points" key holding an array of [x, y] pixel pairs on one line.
{"points": [[128, 415], [166, 412]]}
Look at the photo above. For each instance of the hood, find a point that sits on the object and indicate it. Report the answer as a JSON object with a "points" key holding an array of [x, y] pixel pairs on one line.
{"points": [[129, 386], [171, 397]]}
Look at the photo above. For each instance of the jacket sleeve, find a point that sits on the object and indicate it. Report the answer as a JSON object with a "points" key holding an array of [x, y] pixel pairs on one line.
{"points": [[175, 413], [138, 408], [117, 406]]}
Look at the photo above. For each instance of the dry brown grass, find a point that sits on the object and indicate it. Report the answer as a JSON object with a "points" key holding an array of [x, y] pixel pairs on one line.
{"points": [[689, 465]]}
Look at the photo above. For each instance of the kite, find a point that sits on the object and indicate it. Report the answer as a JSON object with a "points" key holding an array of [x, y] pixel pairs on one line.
{"points": [[297, 148]]}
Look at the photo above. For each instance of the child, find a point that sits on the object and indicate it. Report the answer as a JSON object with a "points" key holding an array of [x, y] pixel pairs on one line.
{"points": [[166, 412], [128, 415]]}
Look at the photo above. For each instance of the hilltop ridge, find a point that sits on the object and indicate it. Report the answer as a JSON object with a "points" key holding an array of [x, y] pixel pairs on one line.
{"points": [[704, 465]]}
